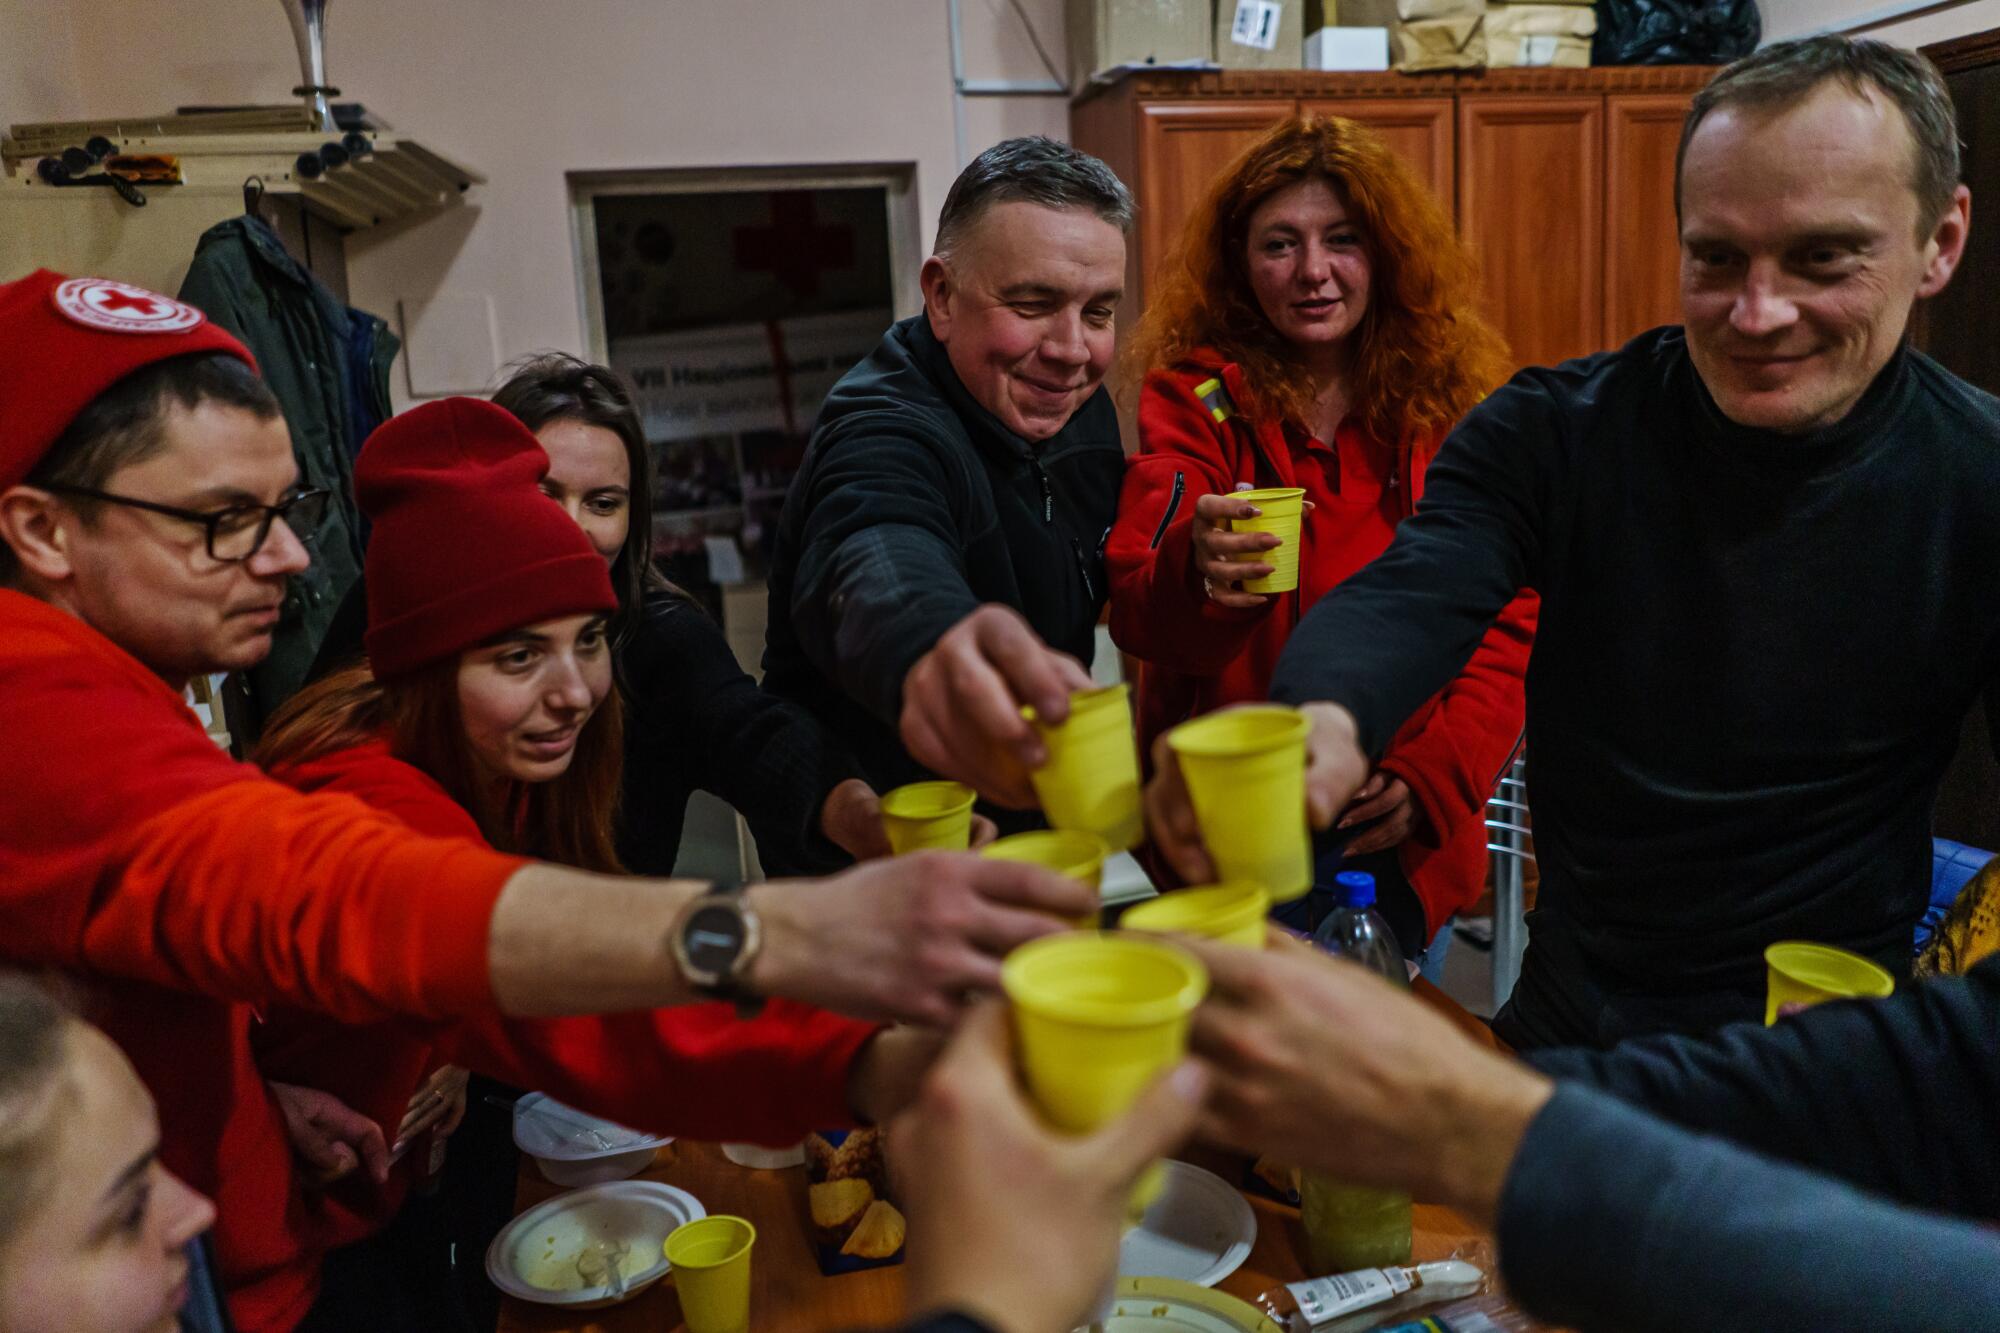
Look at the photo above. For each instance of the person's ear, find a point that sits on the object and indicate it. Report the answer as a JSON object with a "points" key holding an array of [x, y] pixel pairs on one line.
{"points": [[1947, 243], [31, 523], [940, 296]]}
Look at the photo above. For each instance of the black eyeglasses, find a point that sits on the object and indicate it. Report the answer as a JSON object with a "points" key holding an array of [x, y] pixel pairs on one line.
{"points": [[236, 533]]}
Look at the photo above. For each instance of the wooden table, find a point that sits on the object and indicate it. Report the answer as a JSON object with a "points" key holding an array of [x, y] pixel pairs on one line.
{"points": [[790, 1296]]}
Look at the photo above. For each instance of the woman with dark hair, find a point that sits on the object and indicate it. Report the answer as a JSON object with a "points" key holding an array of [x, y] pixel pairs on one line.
{"points": [[693, 717], [1316, 327]]}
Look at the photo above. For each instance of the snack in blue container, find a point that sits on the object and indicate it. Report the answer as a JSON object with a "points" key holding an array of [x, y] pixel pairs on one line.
{"points": [[855, 1226]]}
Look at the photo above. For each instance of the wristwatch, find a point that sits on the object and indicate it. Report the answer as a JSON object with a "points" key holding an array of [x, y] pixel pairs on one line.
{"points": [[714, 940]]}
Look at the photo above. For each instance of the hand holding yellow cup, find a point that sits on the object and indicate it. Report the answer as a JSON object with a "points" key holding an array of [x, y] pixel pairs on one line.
{"points": [[1099, 1016], [920, 816], [1245, 770], [711, 1263], [1227, 913], [1068, 852], [1283, 507], [1802, 974], [1091, 779]]}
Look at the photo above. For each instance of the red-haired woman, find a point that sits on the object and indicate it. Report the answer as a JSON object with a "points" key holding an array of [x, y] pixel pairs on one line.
{"points": [[1315, 327]]}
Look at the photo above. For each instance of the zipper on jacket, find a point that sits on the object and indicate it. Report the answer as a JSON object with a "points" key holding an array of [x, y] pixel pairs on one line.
{"points": [[1173, 505], [1083, 568], [1048, 492]]}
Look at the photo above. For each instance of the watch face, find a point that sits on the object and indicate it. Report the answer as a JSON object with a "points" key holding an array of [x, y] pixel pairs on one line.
{"points": [[714, 938]]}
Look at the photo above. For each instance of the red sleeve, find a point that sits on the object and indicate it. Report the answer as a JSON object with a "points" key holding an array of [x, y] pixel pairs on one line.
{"points": [[1158, 610], [1452, 754], [697, 1070]]}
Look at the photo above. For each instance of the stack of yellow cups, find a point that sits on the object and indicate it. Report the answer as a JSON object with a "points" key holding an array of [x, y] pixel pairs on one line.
{"points": [[1091, 779], [925, 815], [1245, 770], [1100, 1016]]}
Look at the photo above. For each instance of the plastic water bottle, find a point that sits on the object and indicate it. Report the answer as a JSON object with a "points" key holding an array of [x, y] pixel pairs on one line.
{"points": [[1350, 1226]]}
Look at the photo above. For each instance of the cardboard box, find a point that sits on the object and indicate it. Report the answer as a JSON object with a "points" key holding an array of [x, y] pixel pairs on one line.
{"points": [[1537, 50], [1411, 10], [1348, 49], [1260, 34], [856, 1225], [1106, 33], [1428, 44], [1539, 20]]}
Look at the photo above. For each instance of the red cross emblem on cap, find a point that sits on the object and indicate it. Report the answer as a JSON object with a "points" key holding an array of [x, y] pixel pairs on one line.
{"points": [[118, 307]]}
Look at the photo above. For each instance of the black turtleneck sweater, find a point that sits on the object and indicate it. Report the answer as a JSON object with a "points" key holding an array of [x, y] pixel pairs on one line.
{"points": [[913, 506], [1754, 656]]}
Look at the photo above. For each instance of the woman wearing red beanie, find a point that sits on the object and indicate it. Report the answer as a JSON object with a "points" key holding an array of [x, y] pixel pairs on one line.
{"points": [[486, 711]]}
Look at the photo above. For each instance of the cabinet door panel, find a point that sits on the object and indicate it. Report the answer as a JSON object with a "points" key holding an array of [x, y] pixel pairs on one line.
{"points": [[1531, 205], [1182, 148], [1417, 129], [1642, 243]]}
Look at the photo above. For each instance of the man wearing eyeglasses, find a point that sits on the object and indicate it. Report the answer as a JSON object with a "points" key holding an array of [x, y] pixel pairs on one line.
{"points": [[150, 515]]}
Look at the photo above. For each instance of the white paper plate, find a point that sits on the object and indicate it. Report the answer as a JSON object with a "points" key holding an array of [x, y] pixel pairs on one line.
{"points": [[1199, 1230], [547, 1128], [544, 1241], [1162, 1305]]}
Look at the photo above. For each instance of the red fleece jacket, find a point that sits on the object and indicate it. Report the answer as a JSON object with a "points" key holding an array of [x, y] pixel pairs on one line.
{"points": [[183, 887], [1199, 656]]}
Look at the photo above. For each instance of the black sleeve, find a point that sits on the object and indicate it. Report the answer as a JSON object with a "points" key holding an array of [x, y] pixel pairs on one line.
{"points": [[1611, 1219], [881, 572], [1394, 634], [1894, 1096], [695, 708]]}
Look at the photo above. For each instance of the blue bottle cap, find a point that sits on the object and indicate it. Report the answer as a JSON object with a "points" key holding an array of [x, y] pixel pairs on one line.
{"points": [[1357, 888]]}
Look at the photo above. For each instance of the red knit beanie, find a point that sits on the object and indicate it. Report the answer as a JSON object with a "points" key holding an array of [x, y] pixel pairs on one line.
{"points": [[63, 341], [465, 545]]}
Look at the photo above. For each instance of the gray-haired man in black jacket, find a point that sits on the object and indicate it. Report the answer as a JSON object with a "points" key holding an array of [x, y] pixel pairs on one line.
{"points": [[939, 561]]}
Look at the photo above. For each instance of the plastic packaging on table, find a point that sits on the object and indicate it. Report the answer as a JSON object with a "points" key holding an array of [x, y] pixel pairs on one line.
{"points": [[1491, 1313], [1350, 1302]]}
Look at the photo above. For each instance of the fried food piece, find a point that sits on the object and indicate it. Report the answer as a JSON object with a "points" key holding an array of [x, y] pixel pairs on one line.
{"points": [[819, 1156], [859, 1157], [837, 1207], [879, 1234]]}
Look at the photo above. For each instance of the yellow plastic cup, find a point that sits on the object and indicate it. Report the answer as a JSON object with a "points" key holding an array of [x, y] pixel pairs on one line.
{"points": [[711, 1263], [1227, 913], [922, 815], [1246, 774], [1091, 781], [1283, 507], [1068, 852], [1099, 1016], [1806, 974]]}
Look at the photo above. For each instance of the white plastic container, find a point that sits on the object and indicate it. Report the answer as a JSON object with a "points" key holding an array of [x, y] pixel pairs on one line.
{"points": [[759, 1158], [573, 1148]]}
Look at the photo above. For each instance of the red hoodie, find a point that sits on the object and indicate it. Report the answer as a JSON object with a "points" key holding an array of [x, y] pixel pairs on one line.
{"points": [[184, 887], [1198, 656]]}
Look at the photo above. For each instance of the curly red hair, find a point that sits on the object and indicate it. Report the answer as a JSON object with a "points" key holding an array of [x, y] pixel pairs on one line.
{"points": [[1423, 352]]}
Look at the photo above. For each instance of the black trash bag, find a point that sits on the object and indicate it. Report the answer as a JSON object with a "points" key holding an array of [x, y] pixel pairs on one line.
{"points": [[1674, 32]]}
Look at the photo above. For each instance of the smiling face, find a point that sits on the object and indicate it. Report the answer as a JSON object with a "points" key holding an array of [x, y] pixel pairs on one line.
{"points": [[525, 697], [591, 478], [1802, 253], [1024, 306], [105, 1250], [146, 581], [1308, 266]]}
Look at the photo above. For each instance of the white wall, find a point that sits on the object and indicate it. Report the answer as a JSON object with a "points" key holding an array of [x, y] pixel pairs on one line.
{"points": [[526, 90], [1905, 22]]}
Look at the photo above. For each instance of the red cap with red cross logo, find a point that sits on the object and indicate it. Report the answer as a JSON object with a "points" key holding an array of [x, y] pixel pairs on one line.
{"points": [[63, 341]]}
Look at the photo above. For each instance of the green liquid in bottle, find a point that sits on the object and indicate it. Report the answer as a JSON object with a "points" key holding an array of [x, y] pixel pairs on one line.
{"points": [[1349, 1227]]}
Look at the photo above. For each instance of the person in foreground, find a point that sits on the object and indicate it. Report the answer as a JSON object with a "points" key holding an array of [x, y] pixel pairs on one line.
{"points": [[147, 492], [940, 558], [95, 1234], [1837, 1170], [1766, 545]]}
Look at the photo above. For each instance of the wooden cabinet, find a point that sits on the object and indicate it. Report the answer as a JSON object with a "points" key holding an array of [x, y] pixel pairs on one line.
{"points": [[1560, 180], [1531, 207]]}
